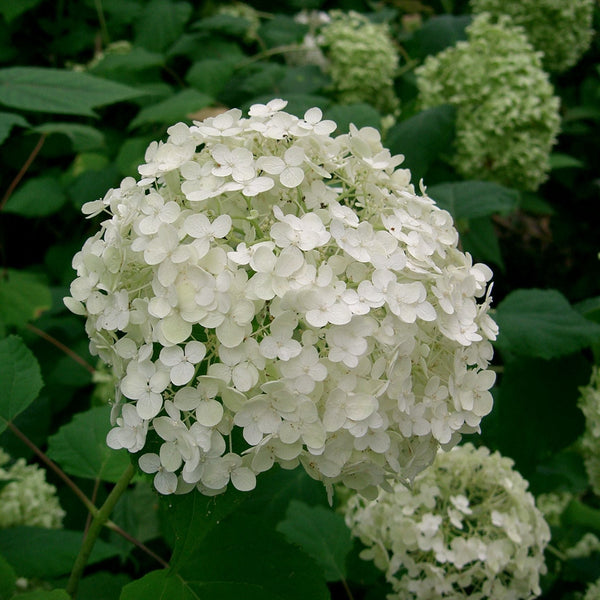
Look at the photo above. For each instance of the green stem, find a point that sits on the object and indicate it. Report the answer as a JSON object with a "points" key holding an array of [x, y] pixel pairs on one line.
{"points": [[100, 518]]}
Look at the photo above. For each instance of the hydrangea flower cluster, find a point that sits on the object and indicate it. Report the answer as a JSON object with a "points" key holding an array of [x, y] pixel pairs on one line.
{"points": [[363, 60], [561, 30], [270, 294], [593, 591], [25, 496], [468, 529], [507, 116], [589, 403]]}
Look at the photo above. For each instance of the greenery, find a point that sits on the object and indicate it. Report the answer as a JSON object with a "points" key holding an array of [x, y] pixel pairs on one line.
{"points": [[85, 87]]}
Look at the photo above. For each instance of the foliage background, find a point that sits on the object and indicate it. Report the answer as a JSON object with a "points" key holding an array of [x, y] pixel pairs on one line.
{"points": [[69, 134]]}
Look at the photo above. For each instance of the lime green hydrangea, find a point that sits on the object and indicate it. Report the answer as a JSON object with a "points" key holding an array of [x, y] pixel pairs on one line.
{"points": [[553, 505], [593, 591], [25, 496], [468, 529], [589, 403], [507, 115], [561, 30], [362, 60]]}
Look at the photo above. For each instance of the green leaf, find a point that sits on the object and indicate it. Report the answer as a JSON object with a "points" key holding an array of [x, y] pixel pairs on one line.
{"points": [[361, 115], [322, 534], [38, 197], [172, 109], [281, 31], [45, 595], [47, 553], [559, 160], [10, 10], [543, 324], [8, 121], [83, 137], [192, 516], [210, 76], [59, 91], [161, 23], [480, 240], [131, 155], [438, 33], [535, 412], [102, 586], [20, 379], [242, 559], [80, 447], [8, 579], [422, 138], [223, 23], [305, 79], [160, 585], [473, 199], [137, 59], [23, 297], [589, 308]]}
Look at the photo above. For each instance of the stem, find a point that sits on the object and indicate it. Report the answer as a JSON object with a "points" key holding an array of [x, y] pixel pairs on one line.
{"points": [[61, 347], [102, 22], [15, 182], [54, 467], [100, 518], [93, 511], [347, 589]]}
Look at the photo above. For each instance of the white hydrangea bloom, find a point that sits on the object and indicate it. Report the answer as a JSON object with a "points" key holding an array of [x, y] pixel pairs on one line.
{"points": [[467, 529], [25, 496], [268, 277], [589, 403]]}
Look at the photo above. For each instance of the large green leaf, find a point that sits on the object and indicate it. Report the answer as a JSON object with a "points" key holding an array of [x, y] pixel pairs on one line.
{"points": [[23, 297], [210, 75], [322, 534], [474, 199], [47, 553], [102, 586], [422, 138], [8, 121], [83, 137], [8, 580], [543, 324], [239, 559], [38, 197], [361, 115], [480, 240], [161, 23], [80, 447], [535, 413], [10, 10], [438, 33], [45, 595], [59, 91], [281, 31], [20, 379], [172, 109]]}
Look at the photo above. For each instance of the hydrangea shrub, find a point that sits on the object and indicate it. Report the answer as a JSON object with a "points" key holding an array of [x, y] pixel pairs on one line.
{"points": [[507, 114], [589, 403], [468, 529], [26, 498], [561, 30], [268, 293], [362, 60]]}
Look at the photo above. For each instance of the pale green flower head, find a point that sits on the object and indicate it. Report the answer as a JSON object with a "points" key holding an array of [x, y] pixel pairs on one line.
{"points": [[589, 403], [507, 115], [467, 529], [561, 30], [593, 591], [362, 60], [26, 498]]}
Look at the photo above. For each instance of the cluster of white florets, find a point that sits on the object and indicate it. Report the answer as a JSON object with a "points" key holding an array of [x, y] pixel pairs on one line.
{"points": [[589, 403], [468, 529], [270, 294], [507, 116], [561, 30], [26, 498]]}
